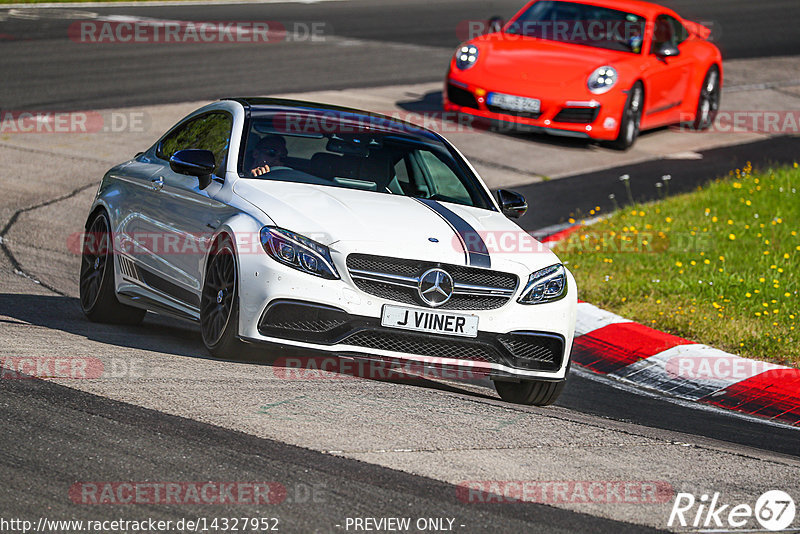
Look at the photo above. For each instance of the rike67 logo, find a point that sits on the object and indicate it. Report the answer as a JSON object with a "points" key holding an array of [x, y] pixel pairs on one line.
{"points": [[774, 511]]}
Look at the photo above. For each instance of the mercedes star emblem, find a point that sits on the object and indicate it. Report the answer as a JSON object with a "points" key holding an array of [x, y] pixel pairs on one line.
{"points": [[435, 287]]}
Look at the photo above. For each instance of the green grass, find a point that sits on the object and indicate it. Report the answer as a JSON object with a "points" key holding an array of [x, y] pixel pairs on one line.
{"points": [[718, 266]]}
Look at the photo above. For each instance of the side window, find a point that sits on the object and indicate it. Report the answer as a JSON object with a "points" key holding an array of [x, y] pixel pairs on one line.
{"points": [[444, 181], [211, 131], [668, 30], [679, 31]]}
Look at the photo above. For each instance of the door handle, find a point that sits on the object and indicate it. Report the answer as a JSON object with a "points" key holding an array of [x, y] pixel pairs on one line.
{"points": [[157, 184]]}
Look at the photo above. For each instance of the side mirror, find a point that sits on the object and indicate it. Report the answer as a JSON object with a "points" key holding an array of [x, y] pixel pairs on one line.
{"points": [[194, 162], [495, 24], [512, 203], [666, 50]]}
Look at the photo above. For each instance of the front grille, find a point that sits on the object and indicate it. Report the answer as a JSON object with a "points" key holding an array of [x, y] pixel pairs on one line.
{"points": [[504, 283], [461, 97], [577, 115], [524, 114], [423, 345], [518, 350], [326, 325]]}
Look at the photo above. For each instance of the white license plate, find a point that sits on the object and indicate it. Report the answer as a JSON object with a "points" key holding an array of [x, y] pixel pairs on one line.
{"points": [[434, 322], [515, 103]]}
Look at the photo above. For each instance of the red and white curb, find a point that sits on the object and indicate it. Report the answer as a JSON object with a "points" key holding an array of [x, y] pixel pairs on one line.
{"points": [[641, 356]]}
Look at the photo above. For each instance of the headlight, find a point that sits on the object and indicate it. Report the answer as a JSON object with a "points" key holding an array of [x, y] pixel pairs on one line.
{"points": [[466, 56], [545, 285], [602, 80], [298, 252]]}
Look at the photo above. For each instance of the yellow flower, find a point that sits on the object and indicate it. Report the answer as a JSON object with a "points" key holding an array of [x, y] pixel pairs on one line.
{"points": [[706, 261], [786, 256], [748, 295], [714, 219], [733, 237], [737, 185], [787, 294], [678, 264], [668, 219]]}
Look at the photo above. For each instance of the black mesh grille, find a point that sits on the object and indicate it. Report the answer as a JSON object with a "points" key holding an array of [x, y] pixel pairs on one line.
{"points": [[461, 97], [525, 114], [412, 268], [380, 264], [306, 321], [424, 346], [577, 115], [409, 296], [531, 348], [522, 351], [302, 321]]}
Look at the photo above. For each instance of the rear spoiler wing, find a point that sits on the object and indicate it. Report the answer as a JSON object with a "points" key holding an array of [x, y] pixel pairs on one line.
{"points": [[695, 28]]}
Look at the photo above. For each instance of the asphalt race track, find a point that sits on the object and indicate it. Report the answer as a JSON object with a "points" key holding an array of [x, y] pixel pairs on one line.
{"points": [[342, 447], [376, 43]]}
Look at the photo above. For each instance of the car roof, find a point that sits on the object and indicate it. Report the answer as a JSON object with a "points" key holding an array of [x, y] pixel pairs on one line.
{"points": [[376, 120], [647, 9]]}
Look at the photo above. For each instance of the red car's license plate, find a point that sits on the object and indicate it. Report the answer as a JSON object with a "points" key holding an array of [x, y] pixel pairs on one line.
{"points": [[514, 103]]}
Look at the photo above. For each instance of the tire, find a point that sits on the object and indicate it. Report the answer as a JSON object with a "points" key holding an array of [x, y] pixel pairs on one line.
{"points": [[630, 123], [530, 392], [97, 292], [708, 100], [219, 303]]}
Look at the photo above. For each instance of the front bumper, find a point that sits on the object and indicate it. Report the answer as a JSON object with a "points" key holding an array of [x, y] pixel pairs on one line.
{"points": [[281, 306], [585, 116]]}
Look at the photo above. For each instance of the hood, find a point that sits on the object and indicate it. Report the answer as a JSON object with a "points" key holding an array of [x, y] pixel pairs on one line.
{"points": [[350, 220], [540, 61]]}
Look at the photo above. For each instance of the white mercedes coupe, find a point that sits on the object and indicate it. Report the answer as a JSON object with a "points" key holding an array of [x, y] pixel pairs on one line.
{"points": [[332, 231]]}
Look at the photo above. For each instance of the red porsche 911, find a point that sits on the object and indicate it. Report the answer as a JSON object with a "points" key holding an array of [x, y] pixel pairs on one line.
{"points": [[600, 69]]}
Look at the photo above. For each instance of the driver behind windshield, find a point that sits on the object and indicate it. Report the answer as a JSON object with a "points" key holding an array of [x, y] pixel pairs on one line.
{"points": [[269, 154]]}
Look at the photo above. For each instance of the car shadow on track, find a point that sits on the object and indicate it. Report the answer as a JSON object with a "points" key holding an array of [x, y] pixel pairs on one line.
{"points": [[428, 109], [163, 334]]}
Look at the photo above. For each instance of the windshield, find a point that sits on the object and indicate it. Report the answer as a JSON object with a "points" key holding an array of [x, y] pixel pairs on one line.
{"points": [[581, 24], [339, 154]]}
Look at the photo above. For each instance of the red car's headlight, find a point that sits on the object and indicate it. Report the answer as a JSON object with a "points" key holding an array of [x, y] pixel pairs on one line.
{"points": [[466, 56], [602, 80]]}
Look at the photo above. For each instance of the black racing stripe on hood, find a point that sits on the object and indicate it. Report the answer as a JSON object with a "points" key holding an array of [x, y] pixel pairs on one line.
{"points": [[476, 252]]}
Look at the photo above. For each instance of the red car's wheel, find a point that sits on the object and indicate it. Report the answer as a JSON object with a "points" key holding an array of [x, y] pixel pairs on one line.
{"points": [[631, 119], [708, 102]]}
